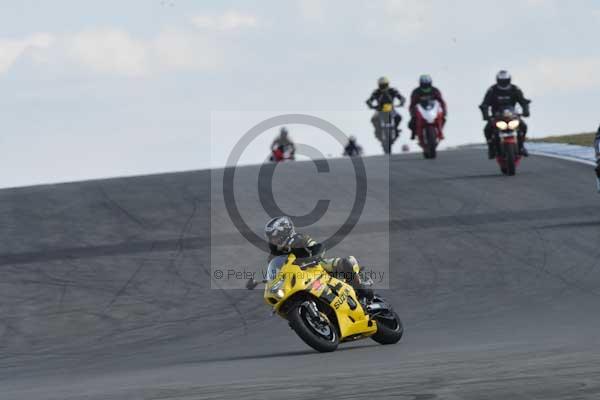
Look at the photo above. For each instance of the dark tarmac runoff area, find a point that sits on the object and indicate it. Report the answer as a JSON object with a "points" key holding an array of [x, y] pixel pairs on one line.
{"points": [[105, 287]]}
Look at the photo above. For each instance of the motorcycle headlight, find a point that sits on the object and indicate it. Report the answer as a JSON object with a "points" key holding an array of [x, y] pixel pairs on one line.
{"points": [[514, 124], [276, 286], [501, 125]]}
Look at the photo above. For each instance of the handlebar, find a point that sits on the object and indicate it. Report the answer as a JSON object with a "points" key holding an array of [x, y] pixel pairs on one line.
{"points": [[499, 115], [310, 263], [399, 105], [251, 284]]}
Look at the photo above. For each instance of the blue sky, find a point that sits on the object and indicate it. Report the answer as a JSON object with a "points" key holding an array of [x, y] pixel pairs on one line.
{"points": [[97, 89]]}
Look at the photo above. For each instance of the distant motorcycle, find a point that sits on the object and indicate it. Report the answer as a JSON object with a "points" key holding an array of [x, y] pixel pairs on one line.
{"points": [[387, 126], [429, 121], [282, 153], [506, 133]]}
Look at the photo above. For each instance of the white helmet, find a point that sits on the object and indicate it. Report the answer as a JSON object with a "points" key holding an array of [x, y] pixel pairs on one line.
{"points": [[383, 82], [279, 231]]}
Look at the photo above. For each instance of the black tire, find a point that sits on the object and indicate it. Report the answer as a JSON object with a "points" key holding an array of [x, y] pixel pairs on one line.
{"points": [[431, 146], [510, 151], [297, 317], [386, 141], [389, 330]]}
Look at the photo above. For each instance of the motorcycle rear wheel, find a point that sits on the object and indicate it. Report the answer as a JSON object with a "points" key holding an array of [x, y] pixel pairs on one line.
{"points": [[389, 330], [319, 334]]}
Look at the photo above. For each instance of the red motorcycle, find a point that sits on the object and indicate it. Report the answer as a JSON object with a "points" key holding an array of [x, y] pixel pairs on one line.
{"points": [[429, 122], [282, 153], [506, 134]]}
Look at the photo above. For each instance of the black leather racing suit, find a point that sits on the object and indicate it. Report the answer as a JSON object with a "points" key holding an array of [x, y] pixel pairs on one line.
{"points": [[283, 143], [498, 100], [352, 149]]}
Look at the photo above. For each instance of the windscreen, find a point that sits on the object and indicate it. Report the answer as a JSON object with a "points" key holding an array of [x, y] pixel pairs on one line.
{"points": [[275, 265]]}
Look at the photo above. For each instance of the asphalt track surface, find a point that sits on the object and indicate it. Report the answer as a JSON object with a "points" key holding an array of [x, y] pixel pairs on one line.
{"points": [[105, 292]]}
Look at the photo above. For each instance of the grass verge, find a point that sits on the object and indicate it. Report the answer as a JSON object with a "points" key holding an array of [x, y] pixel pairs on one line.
{"points": [[581, 139]]}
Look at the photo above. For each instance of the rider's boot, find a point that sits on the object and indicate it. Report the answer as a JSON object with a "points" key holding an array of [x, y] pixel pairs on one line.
{"points": [[362, 287], [522, 150], [491, 150], [396, 134], [377, 133], [350, 270], [365, 295]]}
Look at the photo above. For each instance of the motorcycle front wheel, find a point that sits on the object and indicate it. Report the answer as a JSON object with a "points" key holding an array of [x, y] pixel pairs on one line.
{"points": [[510, 152], [313, 327], [386, 141], [431, 146]]}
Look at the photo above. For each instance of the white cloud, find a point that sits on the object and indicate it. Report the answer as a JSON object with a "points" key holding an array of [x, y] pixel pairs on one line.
{"points": [[112, 51], [182, 50], [109, 50], [553, 74], [230, 20], [12, 49], [117, 52]]}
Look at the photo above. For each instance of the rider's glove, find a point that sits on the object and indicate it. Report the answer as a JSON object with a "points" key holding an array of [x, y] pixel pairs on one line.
{"points": [[526, 112]]}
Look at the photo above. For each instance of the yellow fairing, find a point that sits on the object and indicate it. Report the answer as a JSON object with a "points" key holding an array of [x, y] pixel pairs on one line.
{"points": [[338, 295], [387, 107]]}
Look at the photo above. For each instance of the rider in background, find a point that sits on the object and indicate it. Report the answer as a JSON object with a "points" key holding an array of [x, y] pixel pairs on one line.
{"points": [[500, 96], [423, 93], [384, 94], [284, 240], [352, 149], [284, 143]]}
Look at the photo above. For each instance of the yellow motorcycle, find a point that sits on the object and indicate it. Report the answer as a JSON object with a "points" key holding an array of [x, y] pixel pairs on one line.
{"points": [[323, 310]]}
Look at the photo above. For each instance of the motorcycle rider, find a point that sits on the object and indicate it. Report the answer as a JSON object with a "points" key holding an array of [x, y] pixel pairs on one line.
{"points": [[500, 96], [385, 94], [283, 142], [352, 148], [423, 93], [283, 239]]}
